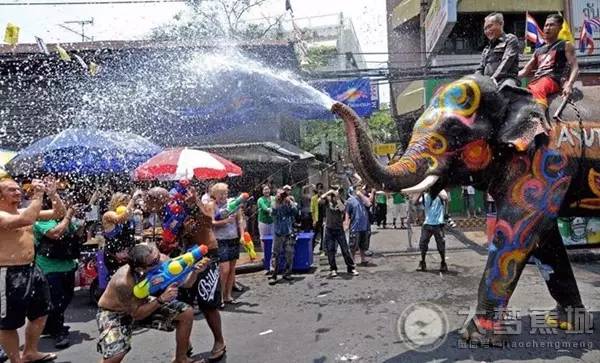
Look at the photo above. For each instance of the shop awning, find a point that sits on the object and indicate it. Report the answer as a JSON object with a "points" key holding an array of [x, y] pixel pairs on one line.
{"points": [[276, 152]]}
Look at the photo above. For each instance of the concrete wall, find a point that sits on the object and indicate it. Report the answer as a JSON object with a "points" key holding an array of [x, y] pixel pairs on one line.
{"points": [[474, 6]]}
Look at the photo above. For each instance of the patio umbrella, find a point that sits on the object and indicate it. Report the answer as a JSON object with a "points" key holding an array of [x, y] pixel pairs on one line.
{"points": [[83, 152], [184, 163]]}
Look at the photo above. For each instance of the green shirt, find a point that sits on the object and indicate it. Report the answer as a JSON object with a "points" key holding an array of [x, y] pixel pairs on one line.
{"points": [[264, 204], [380, 198], [398, 198], [46, 264]]}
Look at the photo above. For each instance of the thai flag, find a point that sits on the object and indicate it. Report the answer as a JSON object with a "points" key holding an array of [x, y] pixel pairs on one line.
{"points": [[586, 38], [533, 32]]}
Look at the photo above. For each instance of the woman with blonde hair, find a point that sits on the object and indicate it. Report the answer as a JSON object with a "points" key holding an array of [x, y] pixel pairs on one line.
{"points": [[119, 230], [228, 232]]}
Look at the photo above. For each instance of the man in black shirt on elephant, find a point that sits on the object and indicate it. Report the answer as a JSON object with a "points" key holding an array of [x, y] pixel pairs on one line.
{"points": [[500, 58]]}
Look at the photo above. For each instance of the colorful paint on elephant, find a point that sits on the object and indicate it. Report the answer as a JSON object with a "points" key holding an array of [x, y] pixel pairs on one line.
{"points": [[477, 155], [535, 200], [459, 100]]}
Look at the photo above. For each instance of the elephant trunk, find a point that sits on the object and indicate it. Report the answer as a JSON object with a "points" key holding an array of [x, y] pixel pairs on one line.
{"points": [[405, 175]]}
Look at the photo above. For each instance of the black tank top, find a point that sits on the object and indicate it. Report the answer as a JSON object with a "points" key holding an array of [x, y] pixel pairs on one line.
{"points": [[552, 61]]}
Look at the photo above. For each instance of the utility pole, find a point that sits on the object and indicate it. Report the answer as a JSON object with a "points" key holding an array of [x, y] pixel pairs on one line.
{"points": [[82, 23], [422, 16]]}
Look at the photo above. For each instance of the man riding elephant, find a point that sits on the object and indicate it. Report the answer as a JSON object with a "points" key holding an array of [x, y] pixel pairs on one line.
{"points": [[551, 63], [500, 58]]}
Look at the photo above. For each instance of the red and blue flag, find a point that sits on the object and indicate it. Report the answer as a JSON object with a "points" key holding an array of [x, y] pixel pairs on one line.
{"points": [[533, 33], [586, 38]]}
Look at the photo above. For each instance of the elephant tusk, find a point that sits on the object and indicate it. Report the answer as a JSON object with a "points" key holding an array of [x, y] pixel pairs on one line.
{"points": [[422, 186]]}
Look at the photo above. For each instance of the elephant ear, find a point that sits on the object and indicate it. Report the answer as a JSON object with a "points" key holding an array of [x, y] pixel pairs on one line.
{"points": [[524, 119]]}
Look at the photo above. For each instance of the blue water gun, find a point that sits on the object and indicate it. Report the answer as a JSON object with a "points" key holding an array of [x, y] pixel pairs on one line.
{"points": [[169, 272]]}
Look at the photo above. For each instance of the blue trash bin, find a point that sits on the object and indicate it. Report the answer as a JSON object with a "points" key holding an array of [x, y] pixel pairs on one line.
{"points": [[303, 252]]}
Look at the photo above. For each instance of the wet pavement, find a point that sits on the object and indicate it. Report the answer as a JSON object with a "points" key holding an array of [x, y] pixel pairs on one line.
{"points": [[356, 319]]}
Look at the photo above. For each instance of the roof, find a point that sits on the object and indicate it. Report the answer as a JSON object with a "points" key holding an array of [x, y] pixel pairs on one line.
{"points": [[279, 152], [32, 48]]}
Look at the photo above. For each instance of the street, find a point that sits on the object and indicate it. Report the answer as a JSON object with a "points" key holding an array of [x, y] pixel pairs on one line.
{"points": [[321, 319]]}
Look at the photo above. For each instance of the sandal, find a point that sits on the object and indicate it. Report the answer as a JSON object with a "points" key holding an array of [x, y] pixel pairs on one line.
{"points": [[231, 302], [218, 355], [48, 357]]}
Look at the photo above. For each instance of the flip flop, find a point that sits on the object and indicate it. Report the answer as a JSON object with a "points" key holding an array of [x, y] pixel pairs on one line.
{"points": [[231, 302], [218, 355], [49, 357]]}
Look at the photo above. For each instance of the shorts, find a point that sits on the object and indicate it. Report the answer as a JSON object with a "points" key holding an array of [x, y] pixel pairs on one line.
{"points": [[24, 293], [543, 87], [207, 287], [229, 249], [116, 328], [359, 240]]}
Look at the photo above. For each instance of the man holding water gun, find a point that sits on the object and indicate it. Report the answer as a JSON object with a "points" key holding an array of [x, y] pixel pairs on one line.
{"points": [[119, 310], [196, 230]]}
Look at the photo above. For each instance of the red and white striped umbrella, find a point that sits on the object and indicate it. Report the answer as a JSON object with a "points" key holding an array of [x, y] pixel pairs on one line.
{"points": [[184, 163]]}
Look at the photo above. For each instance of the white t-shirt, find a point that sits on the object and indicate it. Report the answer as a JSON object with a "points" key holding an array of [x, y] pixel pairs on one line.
{"points": [[470, 190]]}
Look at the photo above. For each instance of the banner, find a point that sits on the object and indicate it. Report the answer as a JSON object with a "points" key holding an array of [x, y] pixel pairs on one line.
{"points": [[580, 231], [355, 93]]}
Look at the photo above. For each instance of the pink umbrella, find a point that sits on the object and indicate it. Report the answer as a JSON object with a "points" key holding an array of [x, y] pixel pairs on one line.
{"points": [[184, 163]]}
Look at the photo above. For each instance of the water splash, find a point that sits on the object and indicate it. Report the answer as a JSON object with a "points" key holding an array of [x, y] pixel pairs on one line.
{"points": [[173, 96], [298, 91]]}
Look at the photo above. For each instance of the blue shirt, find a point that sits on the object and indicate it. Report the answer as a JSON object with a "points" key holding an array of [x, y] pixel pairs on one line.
{"points": [[359, 216], [434, 210], [283, 218]]}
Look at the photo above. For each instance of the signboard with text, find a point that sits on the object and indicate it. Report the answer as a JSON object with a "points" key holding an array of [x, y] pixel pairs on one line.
{"points": [[384, 149], [440, 19], [375, 96], [355, 93]]}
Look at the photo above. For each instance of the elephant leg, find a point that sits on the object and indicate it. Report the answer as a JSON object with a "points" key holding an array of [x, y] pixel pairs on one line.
{"points": [[528, 213], [510, 248], [560, 280]]}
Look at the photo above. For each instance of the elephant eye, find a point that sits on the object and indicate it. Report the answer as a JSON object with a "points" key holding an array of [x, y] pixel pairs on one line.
{"points": [[456, 132]]}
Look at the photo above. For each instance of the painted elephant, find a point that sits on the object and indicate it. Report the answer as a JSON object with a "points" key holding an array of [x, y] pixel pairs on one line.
{"points": [[499, 141]]}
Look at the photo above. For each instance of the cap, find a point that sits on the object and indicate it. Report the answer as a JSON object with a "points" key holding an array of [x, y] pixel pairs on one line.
{"points": [[287, 187]]}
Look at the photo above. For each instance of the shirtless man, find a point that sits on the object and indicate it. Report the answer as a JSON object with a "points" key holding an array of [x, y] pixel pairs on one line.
{"points": [[119, 311], [198, 230], [24, 291]]}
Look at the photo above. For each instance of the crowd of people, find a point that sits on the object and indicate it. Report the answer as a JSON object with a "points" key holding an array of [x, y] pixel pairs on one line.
{"points": [[41, 235], [43, 231]]}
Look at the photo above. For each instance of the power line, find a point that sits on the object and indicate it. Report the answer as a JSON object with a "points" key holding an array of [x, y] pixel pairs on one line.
{"points": [[96, 2]]}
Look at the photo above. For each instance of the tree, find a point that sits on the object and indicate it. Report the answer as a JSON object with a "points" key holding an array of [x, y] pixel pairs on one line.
{"points": [[319, 57], [382, 129], [219, 19]]}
